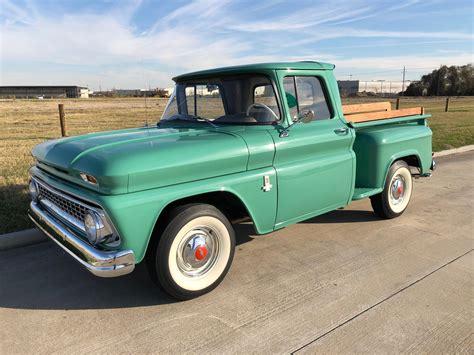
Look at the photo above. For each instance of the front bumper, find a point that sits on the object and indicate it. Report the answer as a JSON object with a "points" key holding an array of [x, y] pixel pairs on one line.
{"points": [[428, 174], [100, 263]]}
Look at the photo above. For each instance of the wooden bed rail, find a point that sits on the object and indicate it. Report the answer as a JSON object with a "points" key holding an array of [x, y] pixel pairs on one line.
{"points": [[371, 107], [377, 111]]}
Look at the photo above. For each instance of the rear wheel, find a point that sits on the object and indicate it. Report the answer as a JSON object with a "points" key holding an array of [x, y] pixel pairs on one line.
{"points": [[194, 252], [394, 199]]}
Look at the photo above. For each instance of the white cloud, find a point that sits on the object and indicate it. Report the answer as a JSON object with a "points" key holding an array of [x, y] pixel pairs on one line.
{"points": [[300, 19], [105, 48]]}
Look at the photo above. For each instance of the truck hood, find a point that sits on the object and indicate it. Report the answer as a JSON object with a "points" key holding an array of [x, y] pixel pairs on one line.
{"points": [[144, 158]]}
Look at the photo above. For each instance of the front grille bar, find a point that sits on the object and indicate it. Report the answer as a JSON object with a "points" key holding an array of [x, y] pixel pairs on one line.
{"points": [[73, 209]]}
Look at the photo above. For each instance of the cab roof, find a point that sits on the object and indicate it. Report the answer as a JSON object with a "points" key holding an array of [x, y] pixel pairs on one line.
{"points": [[253, 68]]}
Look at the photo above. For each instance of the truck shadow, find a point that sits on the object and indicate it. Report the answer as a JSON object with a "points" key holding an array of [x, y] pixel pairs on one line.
{"points": [[43, 277], [344, 216]]}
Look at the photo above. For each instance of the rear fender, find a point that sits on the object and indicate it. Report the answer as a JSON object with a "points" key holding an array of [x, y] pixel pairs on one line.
{"points": [[400, 156]]}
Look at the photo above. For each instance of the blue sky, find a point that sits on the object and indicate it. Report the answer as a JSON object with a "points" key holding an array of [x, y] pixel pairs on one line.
{"points": [[141, 43]]}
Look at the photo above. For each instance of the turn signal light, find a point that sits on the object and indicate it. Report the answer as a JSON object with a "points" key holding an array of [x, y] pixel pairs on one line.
{"points": [[89, 178]]}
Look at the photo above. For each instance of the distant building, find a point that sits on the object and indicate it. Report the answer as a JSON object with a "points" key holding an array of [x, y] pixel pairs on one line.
{"points": [[133, 92], [381, 87], [46, 92]]}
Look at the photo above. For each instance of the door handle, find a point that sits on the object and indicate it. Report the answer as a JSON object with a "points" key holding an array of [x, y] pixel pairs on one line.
{"points": [[341, 131]]}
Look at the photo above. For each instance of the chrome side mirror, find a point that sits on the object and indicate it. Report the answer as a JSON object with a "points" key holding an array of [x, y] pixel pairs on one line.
{"points": [[305, 116]]}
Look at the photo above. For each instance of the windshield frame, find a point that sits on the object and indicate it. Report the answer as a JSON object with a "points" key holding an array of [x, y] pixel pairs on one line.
{"points": [[227, 76]]}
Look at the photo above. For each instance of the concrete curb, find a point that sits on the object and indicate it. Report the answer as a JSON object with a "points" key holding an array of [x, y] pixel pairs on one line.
{"points": [[34, 236], [464, 149], [21, 239]]}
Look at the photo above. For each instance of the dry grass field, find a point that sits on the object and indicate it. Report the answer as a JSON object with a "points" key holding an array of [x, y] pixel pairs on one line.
{"points": [[25, 123]]}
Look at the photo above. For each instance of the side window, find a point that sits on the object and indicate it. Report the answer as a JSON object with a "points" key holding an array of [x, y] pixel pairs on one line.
{"points": [[189, 91], [309, 96], [290, 93], [204, 101]]}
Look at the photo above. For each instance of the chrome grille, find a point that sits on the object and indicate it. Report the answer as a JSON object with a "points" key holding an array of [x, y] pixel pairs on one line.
{"points": [[71, 208]]}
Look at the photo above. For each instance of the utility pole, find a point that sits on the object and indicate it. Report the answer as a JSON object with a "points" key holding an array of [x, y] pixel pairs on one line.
{"points": [[350, 77], [381, 86], [439, 81], [403, 82]]}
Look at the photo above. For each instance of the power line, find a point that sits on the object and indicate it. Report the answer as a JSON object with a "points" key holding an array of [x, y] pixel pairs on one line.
{"points": [[389, 71], [376, 72]]}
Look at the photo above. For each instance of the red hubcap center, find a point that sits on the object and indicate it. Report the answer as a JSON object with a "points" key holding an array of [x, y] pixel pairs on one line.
{"points": [[400, 189], [201, 252]]}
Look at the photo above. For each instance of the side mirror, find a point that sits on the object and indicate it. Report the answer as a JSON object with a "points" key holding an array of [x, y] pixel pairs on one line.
{"points": [[305, 116]]}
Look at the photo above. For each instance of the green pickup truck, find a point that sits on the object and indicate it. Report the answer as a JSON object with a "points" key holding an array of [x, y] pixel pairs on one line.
{"points": [[270, 143]]}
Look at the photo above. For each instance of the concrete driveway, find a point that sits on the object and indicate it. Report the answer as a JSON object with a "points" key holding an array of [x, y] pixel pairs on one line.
{"points": [[345, 281]]}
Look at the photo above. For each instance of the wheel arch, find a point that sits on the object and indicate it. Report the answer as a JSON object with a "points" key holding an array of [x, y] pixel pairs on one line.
{"points": [[228, 202], [411, 157]]}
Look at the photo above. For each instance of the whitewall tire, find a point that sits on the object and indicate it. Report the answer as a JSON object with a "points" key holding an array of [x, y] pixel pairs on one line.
{"points": [[194, 251], [395, 197]]}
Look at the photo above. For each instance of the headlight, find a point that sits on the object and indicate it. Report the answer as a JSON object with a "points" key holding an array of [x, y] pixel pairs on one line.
{"points": [[94, 226], [33, 190]]}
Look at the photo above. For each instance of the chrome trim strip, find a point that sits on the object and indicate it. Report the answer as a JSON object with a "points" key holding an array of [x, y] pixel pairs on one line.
{"points": [[63, 195], [100, 263], [60, 213], [38, 174]]}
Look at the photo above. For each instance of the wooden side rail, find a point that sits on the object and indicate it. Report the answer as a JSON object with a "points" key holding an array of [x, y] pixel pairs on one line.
{"points": [[371, 107], [377, 111]]}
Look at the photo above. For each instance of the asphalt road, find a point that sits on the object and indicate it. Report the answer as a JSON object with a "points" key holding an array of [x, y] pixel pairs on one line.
{"points": [[345, 281]]}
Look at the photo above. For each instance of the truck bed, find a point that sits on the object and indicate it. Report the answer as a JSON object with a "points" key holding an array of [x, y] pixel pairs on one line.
{"points": [[382, 136]]}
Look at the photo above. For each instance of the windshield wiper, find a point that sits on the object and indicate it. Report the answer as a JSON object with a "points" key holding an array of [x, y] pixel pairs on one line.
{"points": [[191, 118], [205, 119]]}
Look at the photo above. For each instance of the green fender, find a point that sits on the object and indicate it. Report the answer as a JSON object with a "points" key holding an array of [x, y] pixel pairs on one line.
{"points": [[136, 214]]}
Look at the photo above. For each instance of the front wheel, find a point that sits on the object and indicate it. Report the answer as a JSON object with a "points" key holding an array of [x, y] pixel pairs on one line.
{"points": [[394, 199], [194, 252]]}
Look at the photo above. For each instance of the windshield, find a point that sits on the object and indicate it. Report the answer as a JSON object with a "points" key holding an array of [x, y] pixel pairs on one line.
{"points": [[246, 99]]}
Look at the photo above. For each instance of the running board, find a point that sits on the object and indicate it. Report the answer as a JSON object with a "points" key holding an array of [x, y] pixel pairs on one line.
{"points": [[364, 192]]}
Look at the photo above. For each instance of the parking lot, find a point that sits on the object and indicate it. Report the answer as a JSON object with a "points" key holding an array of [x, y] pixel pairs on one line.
{"points": [[342, 282]]}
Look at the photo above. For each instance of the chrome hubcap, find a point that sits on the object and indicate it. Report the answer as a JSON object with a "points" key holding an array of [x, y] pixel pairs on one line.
{"points": [[397, 189], [198, 251]]}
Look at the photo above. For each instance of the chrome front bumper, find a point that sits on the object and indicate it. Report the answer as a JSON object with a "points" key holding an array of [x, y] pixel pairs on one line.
{"points": [[100, 263]]}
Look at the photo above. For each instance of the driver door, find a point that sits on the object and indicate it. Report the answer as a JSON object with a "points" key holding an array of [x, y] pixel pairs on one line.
{"points": [[315, 162]]}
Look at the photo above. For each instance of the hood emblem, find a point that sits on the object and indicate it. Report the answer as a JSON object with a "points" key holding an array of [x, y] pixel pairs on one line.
{"points": [[267, 186]]}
